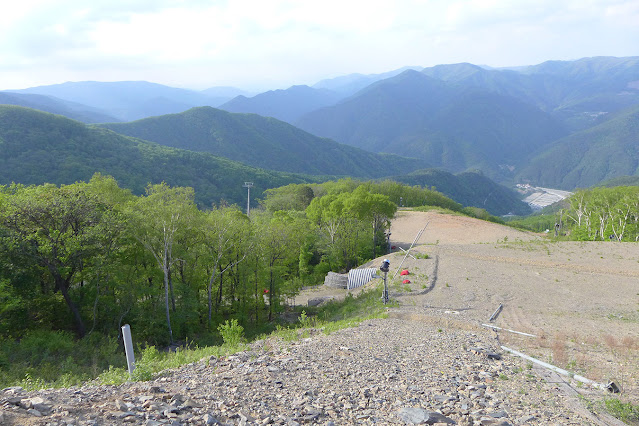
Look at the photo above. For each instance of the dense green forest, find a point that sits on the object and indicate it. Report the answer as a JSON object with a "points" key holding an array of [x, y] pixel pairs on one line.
{"points": [[594, 214], [601, 214], [88, 257]]}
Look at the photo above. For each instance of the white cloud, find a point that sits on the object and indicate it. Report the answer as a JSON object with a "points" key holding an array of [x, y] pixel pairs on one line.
{"points": [[207, 42]]}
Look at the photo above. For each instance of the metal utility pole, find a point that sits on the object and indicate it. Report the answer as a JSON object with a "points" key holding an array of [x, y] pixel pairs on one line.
{"points": [[248, 186]]}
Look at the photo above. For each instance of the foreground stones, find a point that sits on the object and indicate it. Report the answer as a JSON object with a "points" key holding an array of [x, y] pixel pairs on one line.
{"points": [[384, 372]]}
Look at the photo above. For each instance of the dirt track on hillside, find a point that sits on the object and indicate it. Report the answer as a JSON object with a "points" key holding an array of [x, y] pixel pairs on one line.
{"points": [[581, 299]]}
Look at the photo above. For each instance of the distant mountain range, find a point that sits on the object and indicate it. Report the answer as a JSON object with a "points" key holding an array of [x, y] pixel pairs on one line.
{"points": [[39, 147], [455, 128], [132, 100], [560, 123], [54, 105]]}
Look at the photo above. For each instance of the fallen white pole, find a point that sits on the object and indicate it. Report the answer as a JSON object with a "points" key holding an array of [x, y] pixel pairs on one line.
{"points": [[557, 369], [128, 348], [419, 234], [507, 329]]}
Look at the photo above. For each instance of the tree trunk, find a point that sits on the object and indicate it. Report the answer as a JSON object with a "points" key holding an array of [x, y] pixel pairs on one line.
{"points": [[62, 285], [171, 291], [166, 300], [209, 295], [270, 296], [218, 299]]}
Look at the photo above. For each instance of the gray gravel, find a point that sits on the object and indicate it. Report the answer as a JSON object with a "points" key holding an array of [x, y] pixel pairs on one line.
{"points": [[385, 371]]}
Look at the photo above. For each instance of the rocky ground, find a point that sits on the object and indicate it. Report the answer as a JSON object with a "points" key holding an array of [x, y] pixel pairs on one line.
{"points": [[391, 371], [430, 362]]}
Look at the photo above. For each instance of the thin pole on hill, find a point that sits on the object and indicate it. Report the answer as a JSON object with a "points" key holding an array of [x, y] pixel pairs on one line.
{"points": [[248, 186]]}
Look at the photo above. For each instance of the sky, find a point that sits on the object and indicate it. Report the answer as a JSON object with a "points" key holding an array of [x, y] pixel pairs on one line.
{"points": [[270, 44]]}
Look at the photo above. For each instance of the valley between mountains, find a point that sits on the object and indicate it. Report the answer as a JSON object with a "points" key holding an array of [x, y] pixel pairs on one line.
{"points": [[430, 362]]}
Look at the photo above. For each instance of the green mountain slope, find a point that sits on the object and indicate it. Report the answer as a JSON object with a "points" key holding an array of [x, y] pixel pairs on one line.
{"points": [[262, 142], [591, 156], [469, 189], [38, 147], [452, 127]]}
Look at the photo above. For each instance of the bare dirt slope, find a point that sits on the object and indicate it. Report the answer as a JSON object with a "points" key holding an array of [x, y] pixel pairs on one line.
{"points": [[580, 298]]}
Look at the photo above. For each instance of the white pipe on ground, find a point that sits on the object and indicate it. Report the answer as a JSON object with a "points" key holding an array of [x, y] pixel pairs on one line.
{"points": [[556, 369], [507, 329]]}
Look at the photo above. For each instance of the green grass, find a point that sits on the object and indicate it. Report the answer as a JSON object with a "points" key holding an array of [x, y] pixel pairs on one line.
{"points": [[625, 411]]}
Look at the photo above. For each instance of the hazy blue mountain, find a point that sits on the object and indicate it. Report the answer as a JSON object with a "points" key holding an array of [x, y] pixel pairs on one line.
{"points": [[286, 105], [469, 189], [580, 93], [589, 157], [128, 100], [263, 142], [225, 92], [450, 126], [38, 147], [349, 84], [53, 105]]}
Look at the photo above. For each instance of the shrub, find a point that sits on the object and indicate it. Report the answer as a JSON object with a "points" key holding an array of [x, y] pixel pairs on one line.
{"points": [[232, 333]]}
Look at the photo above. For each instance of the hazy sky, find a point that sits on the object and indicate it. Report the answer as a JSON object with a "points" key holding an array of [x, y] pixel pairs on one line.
{"points": [[268, 44]]}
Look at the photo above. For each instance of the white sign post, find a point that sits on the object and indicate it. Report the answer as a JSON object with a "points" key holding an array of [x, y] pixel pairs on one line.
{"points": [[128, 348]]}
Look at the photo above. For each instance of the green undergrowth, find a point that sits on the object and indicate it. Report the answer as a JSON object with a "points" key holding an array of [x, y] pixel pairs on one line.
{"points": [[52, 359], [627, 412], [335, 315]]}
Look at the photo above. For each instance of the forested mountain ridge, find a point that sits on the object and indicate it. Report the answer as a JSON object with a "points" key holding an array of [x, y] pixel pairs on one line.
{"points": [[453, 127], [457, 117], [263, 142], [591, 156], [469, 189], [579, 92], [39, 147]]}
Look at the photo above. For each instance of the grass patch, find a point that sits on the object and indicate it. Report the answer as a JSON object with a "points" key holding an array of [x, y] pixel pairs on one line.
{"points": [[624, 411]]}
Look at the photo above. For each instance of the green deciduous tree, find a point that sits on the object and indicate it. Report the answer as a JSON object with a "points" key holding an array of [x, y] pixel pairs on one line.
{"points": [[61, 230], [156, 221]]}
